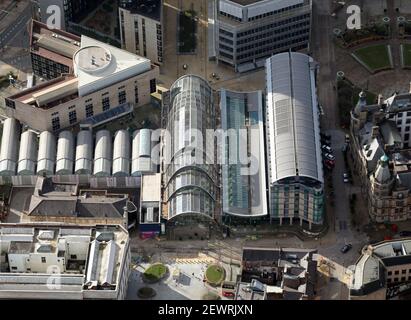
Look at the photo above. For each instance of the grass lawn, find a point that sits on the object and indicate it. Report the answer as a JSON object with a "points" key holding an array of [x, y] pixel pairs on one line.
{"points": [[215, 274], [155, 271], [375, 57], [407, 54], [187, 34]]}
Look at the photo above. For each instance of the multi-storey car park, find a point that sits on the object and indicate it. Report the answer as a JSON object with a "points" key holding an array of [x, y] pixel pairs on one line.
{"points": [[247, 32], [294, 160]]}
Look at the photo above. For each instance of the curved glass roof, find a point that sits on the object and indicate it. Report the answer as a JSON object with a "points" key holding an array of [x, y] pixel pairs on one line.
{"points": [[293, 124]]}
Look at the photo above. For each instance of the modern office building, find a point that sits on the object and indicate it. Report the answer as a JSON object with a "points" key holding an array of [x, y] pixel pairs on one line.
{"points": [[249, 31], [106, 82], [141, 28], [190, 181], [56, 261], [69, 10], [293, 140], [52, 51], [380, 148], [243, 167], [383, 271]]}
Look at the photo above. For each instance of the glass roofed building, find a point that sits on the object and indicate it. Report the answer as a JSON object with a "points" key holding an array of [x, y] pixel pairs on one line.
{"points": [[243, 168], [293, 140], [189, 172]]}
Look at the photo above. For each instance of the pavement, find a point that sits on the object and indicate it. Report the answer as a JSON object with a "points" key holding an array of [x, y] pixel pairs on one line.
{"points": [[188, 285]]}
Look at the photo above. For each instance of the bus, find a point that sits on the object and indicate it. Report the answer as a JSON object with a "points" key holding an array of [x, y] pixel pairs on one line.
{"points": [[228, 289]]}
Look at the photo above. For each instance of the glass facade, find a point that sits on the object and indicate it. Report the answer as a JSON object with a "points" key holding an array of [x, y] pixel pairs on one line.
{"points": [[190, 174]]}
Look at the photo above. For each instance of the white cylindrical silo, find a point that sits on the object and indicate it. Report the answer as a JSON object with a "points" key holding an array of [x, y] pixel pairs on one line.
{"points": [[102, 154], [9, 147], [65, 153], [84, 152], [27, 154], [47, 154], [121, 154], [141, 152]]}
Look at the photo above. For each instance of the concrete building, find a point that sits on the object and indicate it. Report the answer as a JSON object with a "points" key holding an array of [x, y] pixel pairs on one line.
{"points": [[150, 204], [243, 169], [190, 183], [105, 82], [383, 271], [56, 261], [52, 51], [293, 141], [277, 274], [68, 204], [380, 150], [141, 28], [249, 31]]}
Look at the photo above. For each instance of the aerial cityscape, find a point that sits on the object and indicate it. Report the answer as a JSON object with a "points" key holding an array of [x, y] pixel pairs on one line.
{"points": [[209, 150]]}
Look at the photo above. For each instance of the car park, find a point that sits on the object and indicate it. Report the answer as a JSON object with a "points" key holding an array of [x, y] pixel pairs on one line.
{"points": [[346, 248]]}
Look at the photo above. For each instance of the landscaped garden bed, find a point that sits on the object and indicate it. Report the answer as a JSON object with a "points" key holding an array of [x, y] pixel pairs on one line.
{"points": [[406, 55], [374, 58], [187, 32], [215, 275], [155, 273]]}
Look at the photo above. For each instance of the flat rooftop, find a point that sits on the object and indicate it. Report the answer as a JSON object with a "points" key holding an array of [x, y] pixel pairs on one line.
{"points": [[56, 45], [83, 267], [147, 8], [151, 188]]}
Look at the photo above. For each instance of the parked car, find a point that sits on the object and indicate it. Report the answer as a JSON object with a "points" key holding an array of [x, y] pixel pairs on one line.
{"points": [[327, 148], [346, 248], [405, 234], [346, 178], [329, 163], [347, 138], [329, 156]]}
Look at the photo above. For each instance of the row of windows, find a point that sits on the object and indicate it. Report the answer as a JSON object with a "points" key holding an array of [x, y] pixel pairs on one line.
{"points": [[289, 43], [272, 33], [267, 14], [273, 25], [225, 14], [122, 97], [277, 39]]}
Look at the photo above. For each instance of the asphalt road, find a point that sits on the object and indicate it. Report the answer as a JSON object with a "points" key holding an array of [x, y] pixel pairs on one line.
{"points": [[15, 28]]}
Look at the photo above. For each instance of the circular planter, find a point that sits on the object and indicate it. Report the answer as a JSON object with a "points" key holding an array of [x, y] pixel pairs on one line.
{"points": [[215, 275], [146, 293], [155, 273], [211, 296]]}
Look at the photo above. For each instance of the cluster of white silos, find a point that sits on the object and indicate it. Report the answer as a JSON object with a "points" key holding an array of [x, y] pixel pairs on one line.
{"points": [[142, 159], [43, 155]]}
